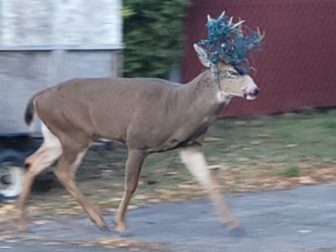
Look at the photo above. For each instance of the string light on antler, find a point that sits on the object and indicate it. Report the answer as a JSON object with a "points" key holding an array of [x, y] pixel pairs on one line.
{"points": [[230, 42]]}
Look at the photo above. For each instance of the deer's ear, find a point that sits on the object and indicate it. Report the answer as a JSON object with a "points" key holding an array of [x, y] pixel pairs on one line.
{"points": [[202, 55]]}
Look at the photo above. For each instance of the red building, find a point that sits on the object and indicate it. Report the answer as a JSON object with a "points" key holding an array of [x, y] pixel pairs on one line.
{"points": [[297, 67]]}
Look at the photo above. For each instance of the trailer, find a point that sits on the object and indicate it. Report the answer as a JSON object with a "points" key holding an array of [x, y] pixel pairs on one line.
{"points": [[41, 45]]}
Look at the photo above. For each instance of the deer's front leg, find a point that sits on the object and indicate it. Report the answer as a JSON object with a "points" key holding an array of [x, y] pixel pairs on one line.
{"points": [[196, 163], [134, 164]]}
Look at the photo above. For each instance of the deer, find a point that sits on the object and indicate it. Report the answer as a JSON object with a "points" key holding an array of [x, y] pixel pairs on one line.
{"points": [[149, 115]]}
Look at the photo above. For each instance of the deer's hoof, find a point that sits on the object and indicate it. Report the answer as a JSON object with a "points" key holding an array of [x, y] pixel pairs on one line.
{"points": [[21, 226], [237, 232], [120, 227], [100, 223], [104, 228]]}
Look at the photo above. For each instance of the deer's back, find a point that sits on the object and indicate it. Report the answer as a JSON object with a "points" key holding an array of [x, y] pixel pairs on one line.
{"points": [[103, 107]]}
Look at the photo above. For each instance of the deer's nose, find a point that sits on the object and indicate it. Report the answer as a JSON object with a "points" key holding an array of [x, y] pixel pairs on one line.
{"points": [[255, 92], [251, 93]]}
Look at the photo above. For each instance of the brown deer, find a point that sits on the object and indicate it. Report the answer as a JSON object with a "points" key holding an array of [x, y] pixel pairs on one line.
{"points": [[148, 115]]}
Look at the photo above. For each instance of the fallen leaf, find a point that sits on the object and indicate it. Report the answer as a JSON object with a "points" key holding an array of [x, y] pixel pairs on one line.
{"points": [[6, 208], [211, 139], [306, 180], [282, 185], [214, 167], [255, 142], [261, 135]]}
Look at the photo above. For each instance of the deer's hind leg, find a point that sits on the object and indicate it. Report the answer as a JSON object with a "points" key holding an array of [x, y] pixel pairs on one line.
{"points": [[49, 151], [65, 171]]}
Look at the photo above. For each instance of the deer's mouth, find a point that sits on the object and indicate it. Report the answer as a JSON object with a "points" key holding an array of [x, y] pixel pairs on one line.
{"points": [[250, 97]]}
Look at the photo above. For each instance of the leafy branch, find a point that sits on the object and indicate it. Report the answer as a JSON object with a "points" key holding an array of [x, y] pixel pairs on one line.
{"points": [[153, 36]]}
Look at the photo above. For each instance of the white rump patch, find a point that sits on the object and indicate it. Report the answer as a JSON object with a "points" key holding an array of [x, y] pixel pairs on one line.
{"points": [[51, 145], [50, 140]]}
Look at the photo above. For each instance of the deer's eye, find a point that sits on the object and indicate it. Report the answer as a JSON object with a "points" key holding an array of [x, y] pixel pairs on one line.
{"points": [[232, 73]]}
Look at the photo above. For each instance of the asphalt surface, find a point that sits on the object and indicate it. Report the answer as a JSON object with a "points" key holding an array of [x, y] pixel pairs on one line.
{"points": [[297, 220]]}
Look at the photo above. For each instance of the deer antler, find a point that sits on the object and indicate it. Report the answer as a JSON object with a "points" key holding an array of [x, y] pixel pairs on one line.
{"points": [[209, 18], [230, 21], [222, 15], [262, 35], [238, 24]]}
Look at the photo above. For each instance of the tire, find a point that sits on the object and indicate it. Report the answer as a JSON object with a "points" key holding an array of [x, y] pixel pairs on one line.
{"points": [[11, 180]]}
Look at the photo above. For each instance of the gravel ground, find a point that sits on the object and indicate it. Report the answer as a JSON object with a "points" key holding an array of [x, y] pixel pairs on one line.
{"points": [[296, 220]]}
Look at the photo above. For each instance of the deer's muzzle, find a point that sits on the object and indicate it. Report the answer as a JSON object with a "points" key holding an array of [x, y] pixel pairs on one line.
{"points": [[251, 94]]}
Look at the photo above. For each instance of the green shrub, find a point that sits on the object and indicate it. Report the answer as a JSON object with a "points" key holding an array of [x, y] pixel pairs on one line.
{"points": [[152, 36], [291, 172]]}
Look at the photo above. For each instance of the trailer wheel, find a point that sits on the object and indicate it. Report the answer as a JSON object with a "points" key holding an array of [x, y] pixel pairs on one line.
{"points": [[11, 180]]}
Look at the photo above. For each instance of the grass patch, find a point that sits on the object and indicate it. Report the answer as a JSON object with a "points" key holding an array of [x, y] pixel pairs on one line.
{"points": [[276, 139], [290, 172]]}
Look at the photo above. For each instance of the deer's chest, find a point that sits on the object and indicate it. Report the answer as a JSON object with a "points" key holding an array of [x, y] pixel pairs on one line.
{"points": [[186, 134]]}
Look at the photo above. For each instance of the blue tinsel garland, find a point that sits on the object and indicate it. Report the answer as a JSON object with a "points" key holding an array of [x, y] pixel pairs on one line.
{"points": [[226, 42]]}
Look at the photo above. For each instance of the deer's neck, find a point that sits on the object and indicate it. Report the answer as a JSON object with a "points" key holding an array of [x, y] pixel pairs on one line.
{"points": [[202, 94]]}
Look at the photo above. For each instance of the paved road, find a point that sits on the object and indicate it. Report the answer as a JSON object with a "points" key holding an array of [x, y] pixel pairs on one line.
{"points": [[298, 220]]}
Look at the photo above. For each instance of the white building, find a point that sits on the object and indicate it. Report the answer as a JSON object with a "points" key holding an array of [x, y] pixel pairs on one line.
{"points": [[43, 42]]}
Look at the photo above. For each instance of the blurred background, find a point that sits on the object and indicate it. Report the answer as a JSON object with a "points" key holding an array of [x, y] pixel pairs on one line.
{"points": [[43, 43], [286, 138]]}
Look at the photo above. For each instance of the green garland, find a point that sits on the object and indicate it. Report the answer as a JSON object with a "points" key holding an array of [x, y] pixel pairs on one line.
{"points": [[227, 42]]}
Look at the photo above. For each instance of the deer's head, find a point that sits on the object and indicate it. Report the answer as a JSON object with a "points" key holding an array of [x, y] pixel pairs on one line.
{"points": [[225, 54]]}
